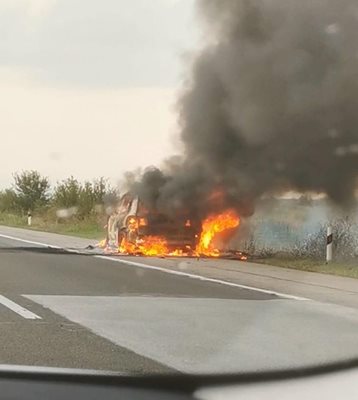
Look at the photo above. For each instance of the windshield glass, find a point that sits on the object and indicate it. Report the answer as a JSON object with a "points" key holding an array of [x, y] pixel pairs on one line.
{"points": [[178, 191]]}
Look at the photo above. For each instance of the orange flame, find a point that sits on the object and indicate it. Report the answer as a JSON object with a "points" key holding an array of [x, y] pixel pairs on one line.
{"points": [[143, 222], [102, 244], [213, 225], [149, 246], [158, 245]]}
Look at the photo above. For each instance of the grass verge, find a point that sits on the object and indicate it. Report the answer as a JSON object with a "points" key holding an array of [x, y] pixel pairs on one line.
{"points": [[88, 229], [339, 268]]}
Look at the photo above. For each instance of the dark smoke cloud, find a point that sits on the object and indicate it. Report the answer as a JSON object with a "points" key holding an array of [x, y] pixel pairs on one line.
{"points": [[271, 104]]}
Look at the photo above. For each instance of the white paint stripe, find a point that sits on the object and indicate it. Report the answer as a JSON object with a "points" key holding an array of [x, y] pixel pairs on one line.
{"points": [[52, 246], [204, 278], [18, 309], [29, 241], [172, 272]]}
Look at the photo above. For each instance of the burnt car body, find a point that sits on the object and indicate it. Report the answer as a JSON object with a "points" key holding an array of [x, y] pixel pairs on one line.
{"points": [[134, 221]]}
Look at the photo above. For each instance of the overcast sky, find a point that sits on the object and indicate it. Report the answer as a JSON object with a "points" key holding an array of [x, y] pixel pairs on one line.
{"points": [[88, 87]]}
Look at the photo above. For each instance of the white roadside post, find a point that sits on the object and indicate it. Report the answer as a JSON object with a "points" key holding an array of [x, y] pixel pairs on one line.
{"points": [[329, 252], [29, 218]]}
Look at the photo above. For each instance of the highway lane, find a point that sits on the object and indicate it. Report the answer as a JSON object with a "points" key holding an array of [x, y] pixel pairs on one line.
{"points": [[97, 313], [54, 340]]}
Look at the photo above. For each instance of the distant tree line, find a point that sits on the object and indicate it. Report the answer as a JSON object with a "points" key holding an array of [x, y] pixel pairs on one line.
{"points": [[33, 192]]}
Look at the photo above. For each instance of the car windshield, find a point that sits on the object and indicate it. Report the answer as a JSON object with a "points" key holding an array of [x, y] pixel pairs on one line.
{"points": [[178, 191]]}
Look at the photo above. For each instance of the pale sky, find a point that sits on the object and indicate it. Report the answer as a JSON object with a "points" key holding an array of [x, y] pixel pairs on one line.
{"points": [[88, 87]]}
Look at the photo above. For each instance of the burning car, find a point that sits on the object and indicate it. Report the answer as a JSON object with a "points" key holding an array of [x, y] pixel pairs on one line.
{"points": [[135, 228]]}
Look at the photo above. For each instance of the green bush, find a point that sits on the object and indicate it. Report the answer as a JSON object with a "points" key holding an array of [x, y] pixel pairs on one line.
{"points": [[9, 201], [67, 193], [32, 190], [82, 198], [72, 207]]}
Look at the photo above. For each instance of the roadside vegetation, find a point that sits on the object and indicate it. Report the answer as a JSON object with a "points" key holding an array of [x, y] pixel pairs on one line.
{"points": [[309, 254], [348, 268], [70, 207]]}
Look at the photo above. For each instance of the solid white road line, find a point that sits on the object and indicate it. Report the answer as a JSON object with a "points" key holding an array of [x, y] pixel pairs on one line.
{"points": [[203, 278], [29, 241], [18, 309], [52, 246], [172, 272]]}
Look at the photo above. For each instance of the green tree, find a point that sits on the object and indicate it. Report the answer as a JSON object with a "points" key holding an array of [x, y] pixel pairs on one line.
{"points": [[32, 190], [85, 196], [9, 201], [87, 199], [100, 190], [67, 193]]}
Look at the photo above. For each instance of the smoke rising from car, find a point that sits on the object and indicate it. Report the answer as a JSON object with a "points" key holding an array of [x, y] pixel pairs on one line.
{"points": [[271, 105]]}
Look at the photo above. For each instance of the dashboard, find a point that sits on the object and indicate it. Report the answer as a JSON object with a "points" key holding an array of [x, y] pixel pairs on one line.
{"points": [[33, 383]]}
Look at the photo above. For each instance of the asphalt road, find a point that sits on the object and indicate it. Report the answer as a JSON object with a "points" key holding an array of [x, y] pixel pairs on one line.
{"points": [[144, 316]]}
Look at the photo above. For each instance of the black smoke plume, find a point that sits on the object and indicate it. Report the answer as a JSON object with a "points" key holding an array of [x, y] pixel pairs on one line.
{"points": [[271, 105]]}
